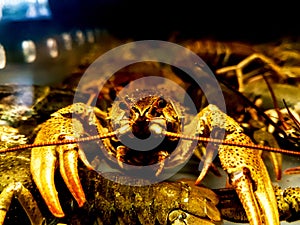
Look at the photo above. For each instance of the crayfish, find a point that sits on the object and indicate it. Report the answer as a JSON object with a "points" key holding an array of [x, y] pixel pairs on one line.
{"points": [[171, 135]]}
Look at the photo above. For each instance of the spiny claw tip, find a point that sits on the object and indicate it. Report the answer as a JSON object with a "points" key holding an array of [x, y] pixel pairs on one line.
{"points": [[81, 201], [202, 174], [199, 179]]}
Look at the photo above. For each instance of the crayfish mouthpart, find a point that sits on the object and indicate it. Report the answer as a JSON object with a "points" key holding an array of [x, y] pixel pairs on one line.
{"points": [[156, 129]]}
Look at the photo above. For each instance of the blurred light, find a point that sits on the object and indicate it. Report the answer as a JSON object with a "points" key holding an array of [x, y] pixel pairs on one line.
{"points": [[22, 10], [31, 12], [52, 47], [90, 36], [79, 37], [67, 41], [2, 57], [29, 51]]}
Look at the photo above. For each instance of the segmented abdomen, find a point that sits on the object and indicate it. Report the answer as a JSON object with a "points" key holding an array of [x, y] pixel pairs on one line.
{"points": [[130, 204], [216, 53]]}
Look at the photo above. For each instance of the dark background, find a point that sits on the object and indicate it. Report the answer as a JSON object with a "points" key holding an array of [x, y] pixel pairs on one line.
{"points": [[244, 20], [249, 21]]}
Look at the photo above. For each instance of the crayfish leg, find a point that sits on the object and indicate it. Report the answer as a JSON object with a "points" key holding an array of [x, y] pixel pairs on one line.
{"points": [[26, 200]]}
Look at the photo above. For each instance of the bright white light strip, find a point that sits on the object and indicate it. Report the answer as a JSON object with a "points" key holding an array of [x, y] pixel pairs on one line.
{"points": [[2, 57], [90, 36], [29, 51], [79, 37], [67, 41], [52, 47]]}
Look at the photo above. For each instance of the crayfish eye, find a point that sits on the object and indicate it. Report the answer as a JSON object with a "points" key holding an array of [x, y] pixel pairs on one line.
{"points": [[123, 106], [161, 103]]}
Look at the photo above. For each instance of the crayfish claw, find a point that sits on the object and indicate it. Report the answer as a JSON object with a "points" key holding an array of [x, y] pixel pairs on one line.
{"points": [[206, 164], [61, 126], [82, 157], [252, 183], [42, 169], [202, 174], [248, 173], [68, 155], [241, 181]]}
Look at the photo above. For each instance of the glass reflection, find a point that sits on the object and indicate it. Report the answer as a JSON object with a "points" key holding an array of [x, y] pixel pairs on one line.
{"points": [[29, 51], [90, 36], [2, 57], [79, 37], [67, 41], [52, 47]]}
